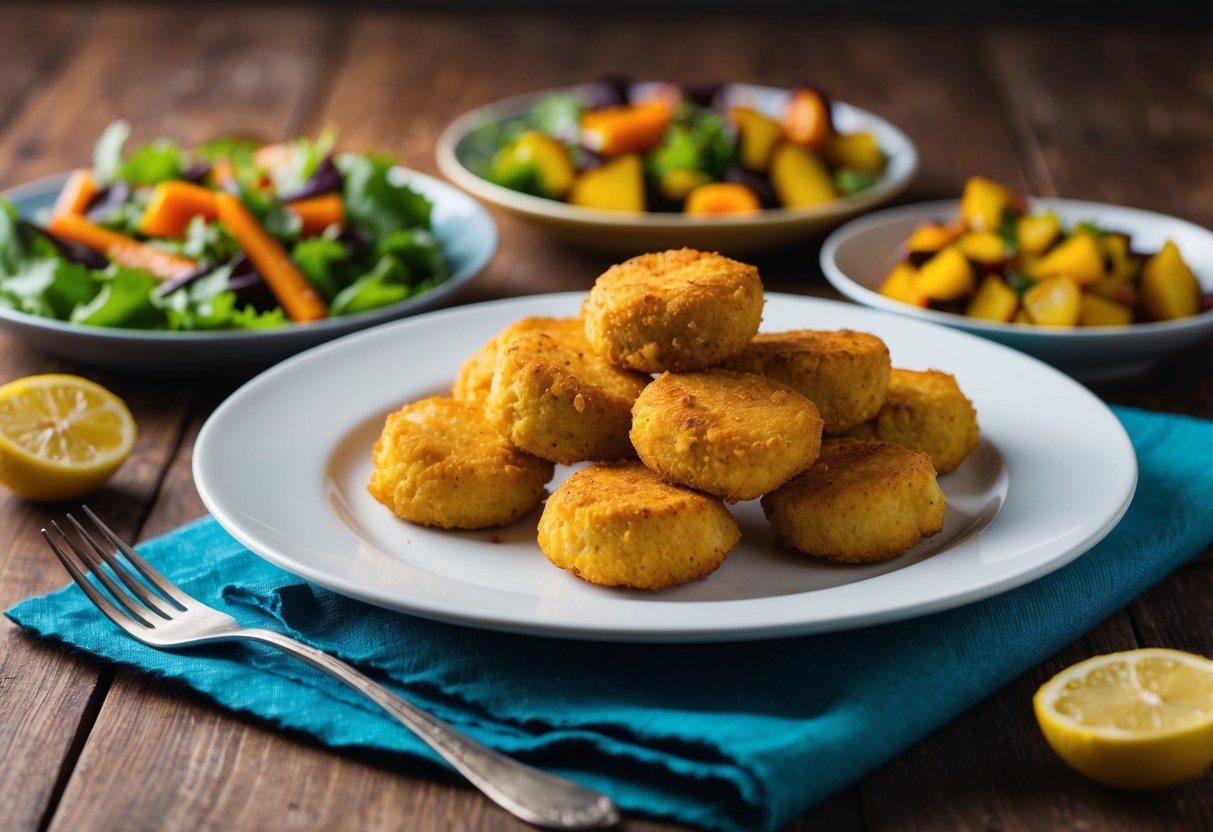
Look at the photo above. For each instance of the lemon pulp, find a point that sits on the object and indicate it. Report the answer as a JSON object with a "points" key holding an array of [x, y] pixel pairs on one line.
{"points": [[1138, 719], [61, 436]]}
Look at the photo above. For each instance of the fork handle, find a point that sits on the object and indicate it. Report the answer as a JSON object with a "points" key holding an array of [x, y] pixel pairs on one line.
{"points": [[535, 796]]}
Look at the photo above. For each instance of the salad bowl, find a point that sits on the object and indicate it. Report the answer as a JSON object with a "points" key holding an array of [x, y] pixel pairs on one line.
{"points": [[466, 231], [631, 232]]}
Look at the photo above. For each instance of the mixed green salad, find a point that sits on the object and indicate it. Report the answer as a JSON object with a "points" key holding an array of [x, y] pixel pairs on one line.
{"points": [[620, 146], [234, 234]]}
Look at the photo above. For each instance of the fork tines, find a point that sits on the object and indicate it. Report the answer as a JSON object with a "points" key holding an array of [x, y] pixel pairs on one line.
{"points": [[79, 561]]}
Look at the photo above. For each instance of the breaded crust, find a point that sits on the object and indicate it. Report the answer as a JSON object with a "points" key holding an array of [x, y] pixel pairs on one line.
{"points": [[861, 502], [554, 397], [673, 310], [619, 524], [734, 435], [925, 411], [438, 462], [475, 376], [843, 372]]}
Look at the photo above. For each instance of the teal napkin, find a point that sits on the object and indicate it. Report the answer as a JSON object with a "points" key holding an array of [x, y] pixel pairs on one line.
{"points": [[732, 736]]}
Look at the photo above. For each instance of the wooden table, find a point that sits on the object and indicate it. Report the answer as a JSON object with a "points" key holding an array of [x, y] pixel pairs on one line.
{"points": [[1123, 116]]}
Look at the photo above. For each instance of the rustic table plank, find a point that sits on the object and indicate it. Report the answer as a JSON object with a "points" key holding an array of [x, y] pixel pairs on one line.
{"points": [[230, 72], [35, 42], [49, 695]]}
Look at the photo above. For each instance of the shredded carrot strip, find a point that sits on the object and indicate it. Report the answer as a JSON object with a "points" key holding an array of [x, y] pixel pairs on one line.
{"points": [[290, 287], [119, 248]]}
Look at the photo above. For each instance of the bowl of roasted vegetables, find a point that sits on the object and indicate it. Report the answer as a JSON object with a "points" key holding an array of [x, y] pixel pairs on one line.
{"points": [[617, 165], [1102, 291], [228, 256]]}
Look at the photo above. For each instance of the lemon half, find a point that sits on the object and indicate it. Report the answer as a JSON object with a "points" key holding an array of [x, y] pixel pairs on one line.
{"points": [[61, 436], [1141, 719]]}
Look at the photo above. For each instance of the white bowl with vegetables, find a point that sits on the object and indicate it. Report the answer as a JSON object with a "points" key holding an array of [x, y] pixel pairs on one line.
{"points": [[1101, 291], [593, 176], [228, 257]]}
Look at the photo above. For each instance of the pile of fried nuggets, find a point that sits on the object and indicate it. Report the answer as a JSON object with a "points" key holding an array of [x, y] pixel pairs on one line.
{"points": [[734, 415]]}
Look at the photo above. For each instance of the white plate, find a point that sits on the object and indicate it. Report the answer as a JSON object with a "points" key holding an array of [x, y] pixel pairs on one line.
{"points": [[858, 256], [466, 230], [621, 231], [283, 465]]}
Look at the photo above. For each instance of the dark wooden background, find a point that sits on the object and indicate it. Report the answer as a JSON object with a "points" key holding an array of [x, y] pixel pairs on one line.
{"points": [[1116, 113]]}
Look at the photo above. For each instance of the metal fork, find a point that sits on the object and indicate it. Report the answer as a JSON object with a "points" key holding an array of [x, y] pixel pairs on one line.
{"points": [[169, 618]]}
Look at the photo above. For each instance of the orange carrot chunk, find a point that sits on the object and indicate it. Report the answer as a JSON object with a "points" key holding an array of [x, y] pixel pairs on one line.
{"points": [[807, 120], [288, 284], [78, 191], [631, 128], [722, 198], [172, 205], [318, 212], [119, 248]]}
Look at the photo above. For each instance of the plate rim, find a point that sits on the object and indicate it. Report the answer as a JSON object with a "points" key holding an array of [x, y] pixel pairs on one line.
{"points": [[478, 619], [43, 186], [551, 209], [943, 208]]}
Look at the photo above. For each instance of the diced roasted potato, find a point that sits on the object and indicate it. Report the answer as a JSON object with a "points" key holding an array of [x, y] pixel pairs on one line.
{"points": [[930, 237], [757, 136], [900, 285], [946, 276], [857, 151], [1168, 288], [1095, 310], [983, 247], [1119, 260], [1037, 232], [535, 163], [800, 178], [1115, 289], [1078, 258], [677, 183], [984, 203], [616, 186], [994, 301], [1055, 301]]}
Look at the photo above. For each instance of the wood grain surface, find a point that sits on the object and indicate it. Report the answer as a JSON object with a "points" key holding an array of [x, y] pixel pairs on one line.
{"points": [[1111, 114]]}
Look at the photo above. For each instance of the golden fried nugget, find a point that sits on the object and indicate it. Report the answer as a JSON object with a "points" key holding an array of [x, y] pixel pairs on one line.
{"points": [[735, 435], [861, 502], [844, 373], [558, 399], [925, 411], [619, 524], [673, 310], [475, 375], [440, 463]]}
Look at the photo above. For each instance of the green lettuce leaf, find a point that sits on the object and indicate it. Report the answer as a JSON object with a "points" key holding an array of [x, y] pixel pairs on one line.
{"points": [[324, 262], [124, 300], [849, 181], [374, 203], [420, 252], [388, 282], [154, 162]]}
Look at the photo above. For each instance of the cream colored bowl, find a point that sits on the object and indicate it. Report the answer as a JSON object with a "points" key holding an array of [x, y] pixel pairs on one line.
{"points": [[631, 233]]}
